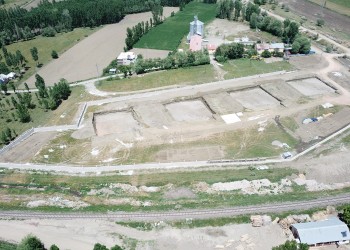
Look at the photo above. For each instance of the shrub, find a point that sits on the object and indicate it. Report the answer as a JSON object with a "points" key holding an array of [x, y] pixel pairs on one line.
{"points": [[266, 54], [320, 22], [48, 32], [54, 54]]}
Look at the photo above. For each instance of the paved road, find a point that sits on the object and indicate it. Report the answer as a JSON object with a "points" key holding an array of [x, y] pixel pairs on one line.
{"points": [[177, 215]]}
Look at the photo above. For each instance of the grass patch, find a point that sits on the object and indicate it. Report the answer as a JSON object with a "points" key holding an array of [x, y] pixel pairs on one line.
{"points": [[289, 123], [319, 111], [214, 222], [143, 226], [246, 67], [61, 42], [340, 6], [168, 35], [182, 76]]}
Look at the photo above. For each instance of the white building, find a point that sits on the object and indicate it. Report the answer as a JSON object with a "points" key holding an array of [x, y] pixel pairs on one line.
{"points": [[125, 58]]}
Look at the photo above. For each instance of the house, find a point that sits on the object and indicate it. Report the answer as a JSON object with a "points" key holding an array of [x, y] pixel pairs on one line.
{"points": [[3, 79], [196, 28], [196, 43], [125, 58], [322, 232], [273, 47], [261, 47], [277, 47]]}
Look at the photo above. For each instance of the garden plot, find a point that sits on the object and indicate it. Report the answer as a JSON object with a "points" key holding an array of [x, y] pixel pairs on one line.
{"points": [[311, 86], [115, 123], [222, 103], [189, 111], [282, 91], [153, 115], [255, 99]]}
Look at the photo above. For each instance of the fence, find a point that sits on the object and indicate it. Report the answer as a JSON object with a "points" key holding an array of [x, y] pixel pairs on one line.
{"points": [[19, 139]]}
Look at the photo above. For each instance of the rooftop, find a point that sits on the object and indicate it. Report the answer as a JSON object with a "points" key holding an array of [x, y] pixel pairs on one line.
{"points": [[331, 230]]}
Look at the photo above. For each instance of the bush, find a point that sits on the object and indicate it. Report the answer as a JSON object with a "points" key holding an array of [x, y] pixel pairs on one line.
{"points": [[320, 22], [48, 32], [266, 54], [54, 54]]}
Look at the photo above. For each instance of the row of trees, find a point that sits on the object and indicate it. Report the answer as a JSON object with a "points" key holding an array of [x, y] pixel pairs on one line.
{"points": [[56, 16], [13, 61], [173, 60]]}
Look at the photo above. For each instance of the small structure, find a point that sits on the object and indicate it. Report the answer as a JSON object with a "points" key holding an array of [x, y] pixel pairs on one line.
{"points": [[322, 232], [125, 58], [196, 43], [211, 48], [287, 155], [196, 28], [113, 71]]}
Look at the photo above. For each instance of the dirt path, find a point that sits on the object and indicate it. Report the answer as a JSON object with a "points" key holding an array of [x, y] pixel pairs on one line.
{"points": [[88, 58]]}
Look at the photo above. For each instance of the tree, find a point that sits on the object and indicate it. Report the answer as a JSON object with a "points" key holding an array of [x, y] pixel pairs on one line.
{"points": [[13, 87], [238, 7], [26, 86], [98, 246], [40, 85], [116, 247], [253, 23], [54, 54], [291, 245], [345, 216], [4, 88], [31, 242], [24, 117], [34, 53], [54, 247], [301, 45]]}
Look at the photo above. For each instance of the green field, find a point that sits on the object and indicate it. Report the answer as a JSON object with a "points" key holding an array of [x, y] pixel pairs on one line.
{"points": [[246, 67], [168, 35], [340, 6], [61, 42], [182, 76]]}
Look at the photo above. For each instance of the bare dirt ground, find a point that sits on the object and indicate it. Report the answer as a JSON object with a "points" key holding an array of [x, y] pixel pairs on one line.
{"points": [[81, 234], [255, 99], [311, 87], [218, 30], [87, 59], [25, 151], [313, 12], [151, 53]]}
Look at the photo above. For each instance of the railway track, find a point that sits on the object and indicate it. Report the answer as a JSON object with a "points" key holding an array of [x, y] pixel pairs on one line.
{"points": [[184, 214]]}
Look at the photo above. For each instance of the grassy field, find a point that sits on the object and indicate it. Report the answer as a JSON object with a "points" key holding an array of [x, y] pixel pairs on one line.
{"points": [[61, 42], [246, 67], [340, 6], [167, 36], [183, 76]]}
